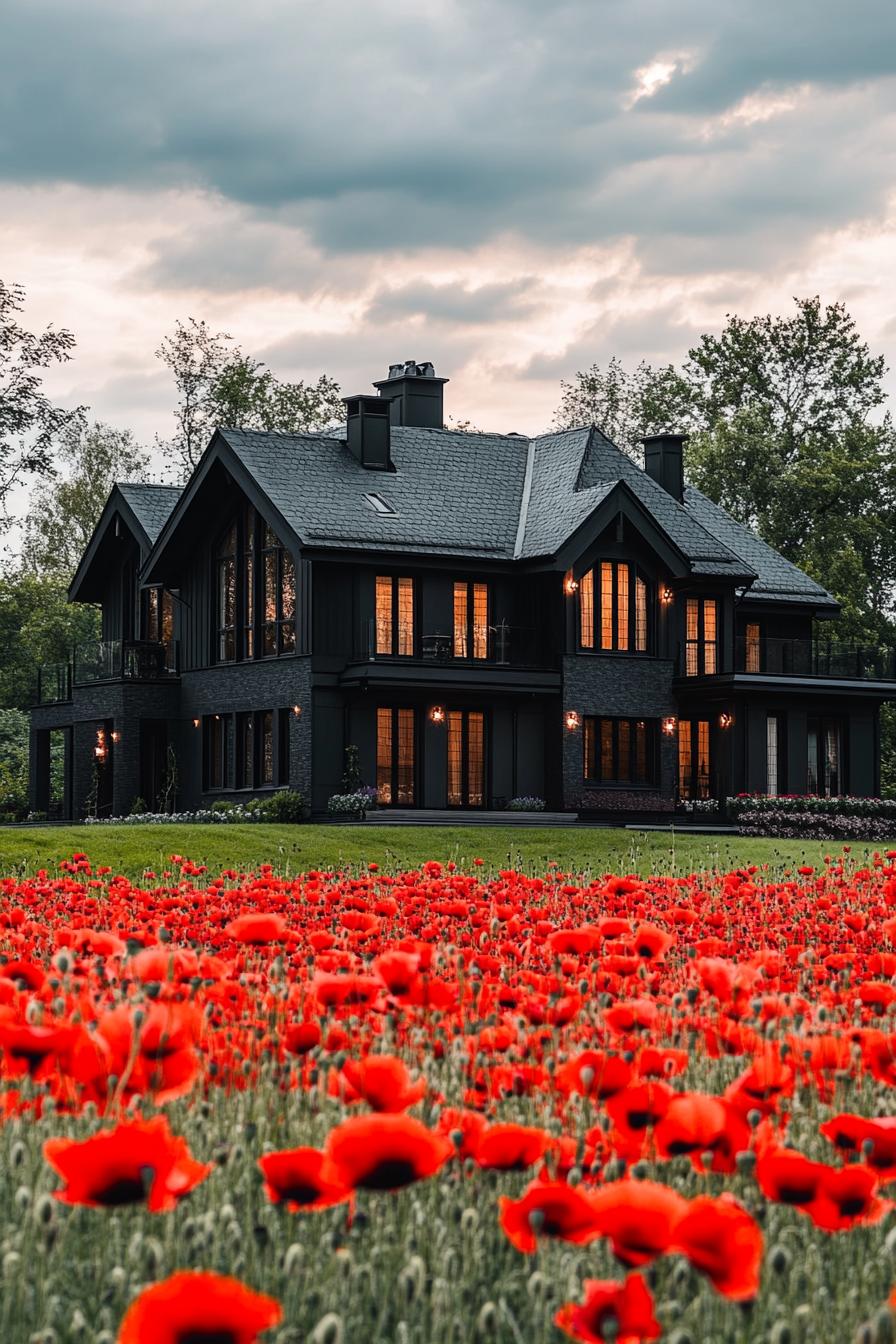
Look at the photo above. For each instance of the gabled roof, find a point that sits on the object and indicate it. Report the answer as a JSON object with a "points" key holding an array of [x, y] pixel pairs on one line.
{"points": [[491, 497], [143, 509], [151, 504]]}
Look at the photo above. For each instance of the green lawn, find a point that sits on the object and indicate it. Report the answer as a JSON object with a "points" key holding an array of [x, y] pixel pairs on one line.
{"points": [[132, 849]]}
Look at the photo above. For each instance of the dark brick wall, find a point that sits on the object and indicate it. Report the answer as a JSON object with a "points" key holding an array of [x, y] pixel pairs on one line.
{"points": [[617, 687]]}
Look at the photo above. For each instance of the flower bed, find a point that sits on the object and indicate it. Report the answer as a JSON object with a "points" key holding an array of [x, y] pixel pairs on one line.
{"points": [[797, 817], [435, 1107]]}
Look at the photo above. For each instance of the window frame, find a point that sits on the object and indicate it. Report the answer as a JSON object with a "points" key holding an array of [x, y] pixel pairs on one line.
{"points": [[389, 772], [475, 633], [398, 646], [691, 786], [699, 643], [246, 639], [594, 742], [601, 628]]}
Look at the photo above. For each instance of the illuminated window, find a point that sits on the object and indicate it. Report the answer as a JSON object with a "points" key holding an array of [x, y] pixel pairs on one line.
{"points": [[466, 758], [586, 610], [701, 636], [618, 607], [158, 620], [694, 775], [620, 751], [470, 620], [394, 616], [256, 592], [395, 733], [752, 648]]}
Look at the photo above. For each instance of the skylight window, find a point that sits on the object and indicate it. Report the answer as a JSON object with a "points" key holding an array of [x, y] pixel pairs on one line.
{"points": [[380, 505]]}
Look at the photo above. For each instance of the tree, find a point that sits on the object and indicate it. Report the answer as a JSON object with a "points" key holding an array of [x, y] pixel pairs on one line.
{"points": [[218, 384], [38, 626], [627, 406], [787, 433], [64, 512], [29, 423]]}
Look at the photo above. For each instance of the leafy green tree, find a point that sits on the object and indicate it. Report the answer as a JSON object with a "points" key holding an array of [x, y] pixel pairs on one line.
{"points": [[13, 762], [29, 423], [217, 384], [65, 511], [627, 405], [38, 626]]}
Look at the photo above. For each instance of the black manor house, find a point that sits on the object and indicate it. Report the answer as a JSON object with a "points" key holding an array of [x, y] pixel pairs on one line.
{"points": [[484, 616]]}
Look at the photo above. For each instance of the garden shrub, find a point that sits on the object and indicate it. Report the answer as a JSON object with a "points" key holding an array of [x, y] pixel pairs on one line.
{"points": [[814, 818]]}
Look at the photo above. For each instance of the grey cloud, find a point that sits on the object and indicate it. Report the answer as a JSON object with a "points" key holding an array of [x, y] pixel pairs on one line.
{"points": [[449, 303], [389, 128]]}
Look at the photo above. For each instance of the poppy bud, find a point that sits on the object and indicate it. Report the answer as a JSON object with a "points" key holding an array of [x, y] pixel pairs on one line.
{"points": [[487, 1321], [780, 1259], [328, 1330]]}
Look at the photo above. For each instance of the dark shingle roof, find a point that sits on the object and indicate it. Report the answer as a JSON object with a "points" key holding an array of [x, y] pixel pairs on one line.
{"points": [[152, 504], [776, 578], [491, 496]]}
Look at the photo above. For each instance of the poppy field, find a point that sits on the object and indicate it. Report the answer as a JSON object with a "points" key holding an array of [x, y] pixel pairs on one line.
{"points": [[439, 1105]]}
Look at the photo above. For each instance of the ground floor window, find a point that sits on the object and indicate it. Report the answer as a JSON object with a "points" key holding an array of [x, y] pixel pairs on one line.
{"points": [[620, 751], [775, 745], [466, 758], [246, 751], [824, 740], [395, 734], [694, 779]]}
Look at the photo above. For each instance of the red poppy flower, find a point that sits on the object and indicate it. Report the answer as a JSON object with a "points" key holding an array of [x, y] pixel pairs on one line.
{"points": [[634, 1112], [383, 1082], [652, 943], [720, 1239], [34, 1051], [548, 1209], [385, 1152], [464, 1127], [639, 1217], [627, 1307], [137, 1162], [696, 1123], [398, 970], [165, 1062], [787, 1177], [593, 1073], [257, 929], [301, 1037], [875, 1139], [847, 1196], [207, 1308], [511, 1147], [303, 1179]]}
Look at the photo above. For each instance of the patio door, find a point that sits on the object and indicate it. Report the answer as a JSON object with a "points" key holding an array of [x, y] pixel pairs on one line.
{"points": [[466, 758]]}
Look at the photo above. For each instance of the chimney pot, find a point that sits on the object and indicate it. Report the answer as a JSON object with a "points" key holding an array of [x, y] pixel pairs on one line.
{"points": [[415, 395]]}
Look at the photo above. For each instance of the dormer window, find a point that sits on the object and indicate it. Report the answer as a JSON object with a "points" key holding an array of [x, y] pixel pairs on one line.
{"points": [[614, 614]]}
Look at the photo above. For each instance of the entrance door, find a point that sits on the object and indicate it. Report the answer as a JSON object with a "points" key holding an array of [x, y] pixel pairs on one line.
{"points": [[153, 762], [466, 758]]}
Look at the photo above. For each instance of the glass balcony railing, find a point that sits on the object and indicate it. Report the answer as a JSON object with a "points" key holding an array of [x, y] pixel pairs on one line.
{"points": [[502, 645], [814, 658], [124, 660]]}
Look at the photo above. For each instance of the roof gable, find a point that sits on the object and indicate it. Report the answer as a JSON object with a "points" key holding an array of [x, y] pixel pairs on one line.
{"points": [[141, 509]]}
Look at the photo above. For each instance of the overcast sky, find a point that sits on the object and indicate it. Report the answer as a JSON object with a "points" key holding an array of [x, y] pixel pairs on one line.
{"points": [[514, 189]]}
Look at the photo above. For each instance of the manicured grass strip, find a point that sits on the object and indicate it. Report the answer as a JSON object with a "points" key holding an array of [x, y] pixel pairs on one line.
{"points": [[132, 849]]}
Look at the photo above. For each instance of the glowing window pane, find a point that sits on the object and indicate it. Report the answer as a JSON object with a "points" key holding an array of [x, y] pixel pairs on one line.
{"points": [[752, 647], [384, 755], [383, 614], [622, 614], [606, 605], [640, 615], [480, 620], [406, 617], [684, 758], [460, 621], [586, 610]]}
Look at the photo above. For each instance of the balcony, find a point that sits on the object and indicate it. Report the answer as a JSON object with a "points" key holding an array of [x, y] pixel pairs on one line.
{"points": [[124, 660], [812, 658], [503, 645], [107, 660]]}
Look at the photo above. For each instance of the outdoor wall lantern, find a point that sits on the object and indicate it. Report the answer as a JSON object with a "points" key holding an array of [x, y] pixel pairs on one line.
{"points": [[437, 714], [101, 749], [572, 719], [196, 723], [116, 736], [669, 726], [667, 596], [297, 711], [570, 586], [726, 720]]}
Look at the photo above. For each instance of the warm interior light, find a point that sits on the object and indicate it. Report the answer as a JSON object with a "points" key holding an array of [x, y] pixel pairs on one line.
{"points": [[116, 736], [297, 711], [726, 720], [667, 595], [572, 719], [669, 726], [437, 714], [196, 723], [570, 585], [100, 749]]}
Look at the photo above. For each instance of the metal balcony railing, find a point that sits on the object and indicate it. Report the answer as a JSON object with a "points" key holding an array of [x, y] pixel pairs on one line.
{"points": [[502, 644], [814, 658], [54, 683]]}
